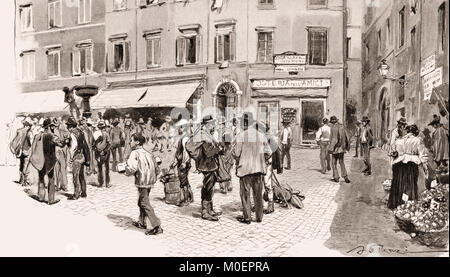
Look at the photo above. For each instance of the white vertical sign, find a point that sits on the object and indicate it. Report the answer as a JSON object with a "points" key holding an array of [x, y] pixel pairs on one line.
{"points": [[430, 81]]}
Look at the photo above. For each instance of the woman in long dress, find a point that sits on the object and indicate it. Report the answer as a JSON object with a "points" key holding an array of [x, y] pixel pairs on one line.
{"points": [[411, 153]]}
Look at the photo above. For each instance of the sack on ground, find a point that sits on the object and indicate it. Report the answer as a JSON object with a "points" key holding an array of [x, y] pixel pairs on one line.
{"points": [[296, 202]]}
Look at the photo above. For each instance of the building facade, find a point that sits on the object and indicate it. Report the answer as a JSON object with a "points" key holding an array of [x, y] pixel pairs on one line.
{"points": [[220, 55], [58, 44], [411, 37]]}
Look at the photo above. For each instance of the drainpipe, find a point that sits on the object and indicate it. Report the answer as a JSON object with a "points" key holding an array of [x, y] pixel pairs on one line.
{"points": [[136, 37], [345, 65], [420, 62]]}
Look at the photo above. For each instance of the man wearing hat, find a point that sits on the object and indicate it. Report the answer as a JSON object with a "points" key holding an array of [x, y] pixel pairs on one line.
{"points": [[338, 146], [89, 137], [20, 146], [79, 154], [164, 136], [43, 158], [207, 164], [128, 131], [366, 144], [102, 148], [252, 154], [61, 158], [397, 133], [117, 139], [286, 143], [91, 126], [323, 140], [439, 140], [358, 140]]}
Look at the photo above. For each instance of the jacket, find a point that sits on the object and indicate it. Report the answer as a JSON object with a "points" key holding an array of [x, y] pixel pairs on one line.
{"points": [[209, 152], [117, 136], [367, 135], [440, 144], [80, 145], [411, 149], [142, 165], [43, 153], [337, 139], [252, 152]]}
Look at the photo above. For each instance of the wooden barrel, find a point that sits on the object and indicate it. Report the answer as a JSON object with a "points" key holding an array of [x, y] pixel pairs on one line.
{"points": [[172, 191]]}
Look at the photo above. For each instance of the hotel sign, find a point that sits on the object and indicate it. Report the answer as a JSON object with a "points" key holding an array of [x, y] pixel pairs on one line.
{"points": [[430, 81], [289, 59], [291, 83], [428, 65]]}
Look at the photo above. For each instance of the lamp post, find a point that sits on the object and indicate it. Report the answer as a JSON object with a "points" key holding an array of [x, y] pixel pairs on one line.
{"points": [[384, 68]]}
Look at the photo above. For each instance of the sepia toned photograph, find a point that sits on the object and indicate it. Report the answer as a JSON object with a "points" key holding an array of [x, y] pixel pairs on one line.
{"points": [[224, 128]]}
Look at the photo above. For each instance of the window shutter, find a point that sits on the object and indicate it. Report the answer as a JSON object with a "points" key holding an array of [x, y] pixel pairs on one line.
{"points": [[198, 48], [110, 58], [149, 52], [127, 55], [180, 50], [215, 49], [157, 51], [89, 59], [323, 47], [232, 46], [220, 50], [76, 55], [261, 47], [269, 47], [58, 14]]}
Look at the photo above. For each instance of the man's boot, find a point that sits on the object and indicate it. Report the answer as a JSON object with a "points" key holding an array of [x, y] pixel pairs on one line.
{"points": [[211, 210], [190, 193], [205, 212], [270, 208]]}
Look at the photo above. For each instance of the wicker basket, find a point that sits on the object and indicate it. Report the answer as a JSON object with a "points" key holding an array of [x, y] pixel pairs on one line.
{"points": [[405, 225], [434, 239]]}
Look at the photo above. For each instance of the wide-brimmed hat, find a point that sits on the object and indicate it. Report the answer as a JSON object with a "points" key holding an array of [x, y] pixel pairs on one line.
{"points": [[168, 119], [365, 119], [47, 123], [207, 119], [56, 122], [127, 115], [90, 122], [334, 118], [71, 122], [101, 124], [402, 121], [27, 122], [115, 122], [141, 121], [325, 120], [128, 122], [436, 120]]}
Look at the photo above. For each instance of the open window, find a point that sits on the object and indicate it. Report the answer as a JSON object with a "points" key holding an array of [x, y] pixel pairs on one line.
{"points": [[317, 45], [265, 45], [225, 42], [153, 48], [82, 58], [53, 61], [26, 18], [27, 65], [54, 14], [118, 57], [188, 45]]}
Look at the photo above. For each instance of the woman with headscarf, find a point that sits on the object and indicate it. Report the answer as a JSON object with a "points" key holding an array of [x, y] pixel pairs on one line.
{"points": [[410, 153]]}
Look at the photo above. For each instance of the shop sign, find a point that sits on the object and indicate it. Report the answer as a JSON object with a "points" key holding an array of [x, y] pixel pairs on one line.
{"points": [[289, 59], [291, 84], [428, 65], [289, 68], [430, 81]]}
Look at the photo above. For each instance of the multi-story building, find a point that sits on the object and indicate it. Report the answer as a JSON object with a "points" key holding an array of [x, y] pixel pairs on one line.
{"points": [[411, 39], [59, 43], [221, 53]]}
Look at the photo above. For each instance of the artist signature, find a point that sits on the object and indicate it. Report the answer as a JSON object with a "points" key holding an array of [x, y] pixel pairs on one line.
{"points": [[375, 249]]}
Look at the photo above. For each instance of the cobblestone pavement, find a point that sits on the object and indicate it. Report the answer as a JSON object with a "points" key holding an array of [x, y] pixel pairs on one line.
{"points": [[186, 234]]}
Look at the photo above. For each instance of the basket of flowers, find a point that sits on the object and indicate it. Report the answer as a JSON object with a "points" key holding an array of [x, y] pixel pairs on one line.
{"points": [[405, 215]]}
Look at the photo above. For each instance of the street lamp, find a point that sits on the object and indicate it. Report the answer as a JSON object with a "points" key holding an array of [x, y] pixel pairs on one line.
{"points": [[383, 68]]}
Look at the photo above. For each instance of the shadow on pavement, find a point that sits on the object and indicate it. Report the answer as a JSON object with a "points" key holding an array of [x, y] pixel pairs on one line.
{"points": [[124, 222]]}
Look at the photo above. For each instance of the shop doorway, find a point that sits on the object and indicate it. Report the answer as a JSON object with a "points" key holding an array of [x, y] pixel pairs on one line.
{"points": [[312, 113], [226, 97], [268, 113]]}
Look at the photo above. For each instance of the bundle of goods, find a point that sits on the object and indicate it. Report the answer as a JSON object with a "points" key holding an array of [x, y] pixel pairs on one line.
{"points": [[426, 219], [172, 189]]}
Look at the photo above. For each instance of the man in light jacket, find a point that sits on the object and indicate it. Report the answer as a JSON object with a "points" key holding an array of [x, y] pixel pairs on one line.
{"points": [[323, 140], [145, 169], [337, 149], [286, 143], [252, 153], [366, 144]]}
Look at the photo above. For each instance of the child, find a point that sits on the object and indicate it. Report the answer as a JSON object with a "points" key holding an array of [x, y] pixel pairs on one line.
{"points": [[145, 169]]}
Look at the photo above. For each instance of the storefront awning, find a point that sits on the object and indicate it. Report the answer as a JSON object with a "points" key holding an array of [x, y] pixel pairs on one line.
{"points": [[304, 93], [42, 102], [174, 95]]}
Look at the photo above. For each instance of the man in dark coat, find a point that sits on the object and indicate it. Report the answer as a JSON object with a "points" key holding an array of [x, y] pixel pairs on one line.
{"points": [[208, 166], [43, 158], [21, 146], [439, 140], [338, 147], [79, 154], [102, 148], [61, 158], [366, 144]]}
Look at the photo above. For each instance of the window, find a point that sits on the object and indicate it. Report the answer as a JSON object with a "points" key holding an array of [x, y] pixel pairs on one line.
{"points": [[262, 4], [413, 50], [121, 56], [54, 14], [348, 49], [441, 28], [265, 46], [402, 25], [53, 62], [317, 46], [188, 45], [152, 2], [153, 42], [388, 32], [401, 90], [379, 48], [28, 65], [317, 3], [225, 44], [26, 18], [119, 4], [84, 11], [82, 58]]}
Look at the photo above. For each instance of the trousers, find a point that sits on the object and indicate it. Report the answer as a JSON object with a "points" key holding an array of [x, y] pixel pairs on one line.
{"points": [[50, 186], [338, 158], [324, 156], [79, 182], [286, 152], [145, 209], [209, 180], [254, 182], [366, 154]]}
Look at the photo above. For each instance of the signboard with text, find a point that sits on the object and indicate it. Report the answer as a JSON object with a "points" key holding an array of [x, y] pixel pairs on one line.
{"points": [[291, 83], [290, 68], [289, 59], [430, 81], [428, 65]]}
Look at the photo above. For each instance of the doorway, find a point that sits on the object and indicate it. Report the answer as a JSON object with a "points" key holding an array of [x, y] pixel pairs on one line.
{"points": [[268, 113], [226, 97], [312, 113], [384, 108]]}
